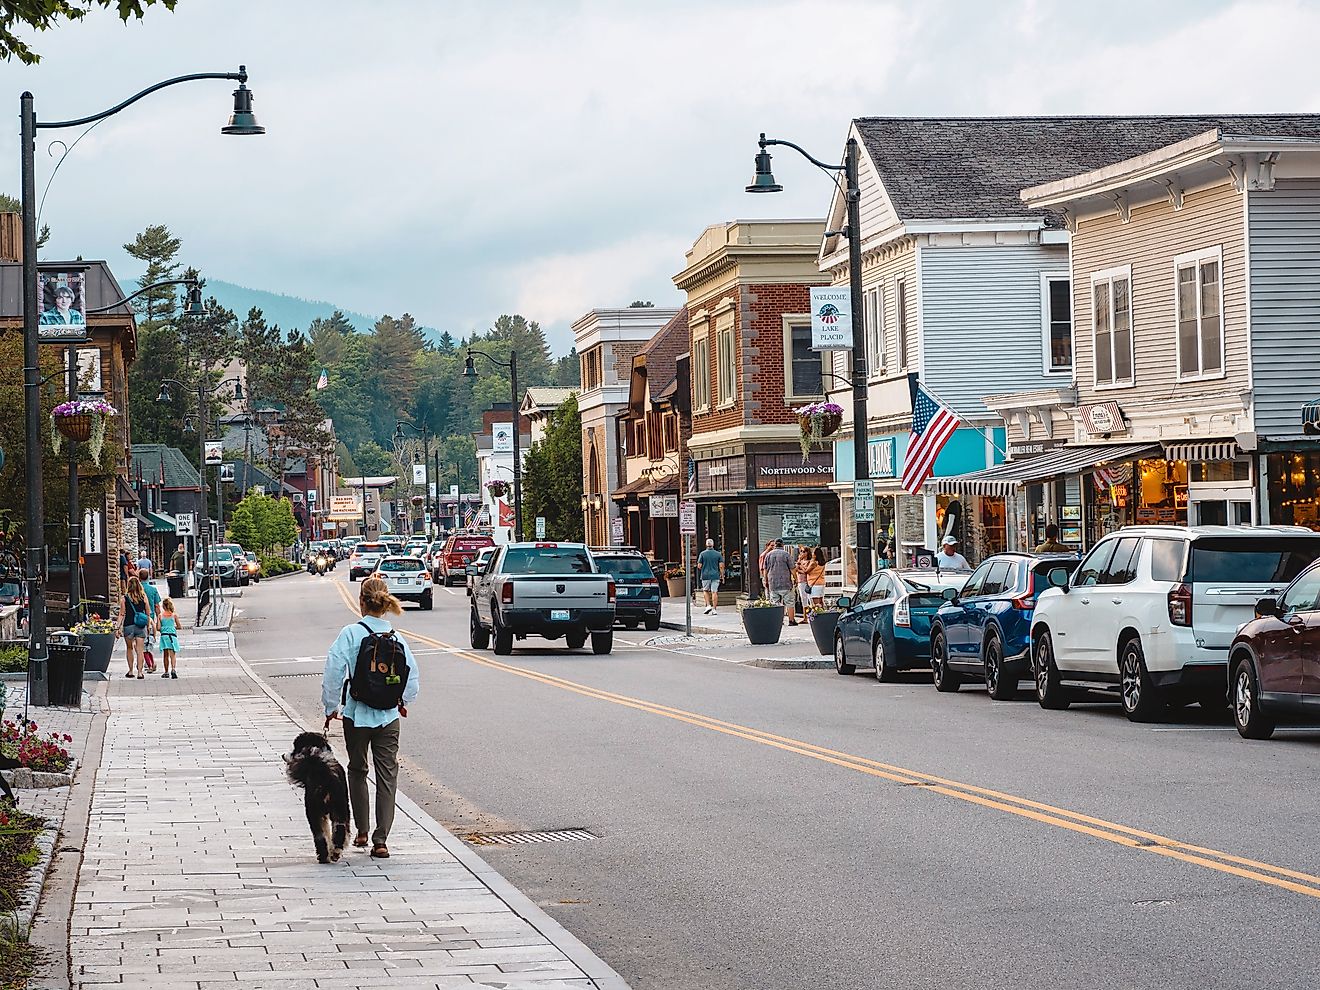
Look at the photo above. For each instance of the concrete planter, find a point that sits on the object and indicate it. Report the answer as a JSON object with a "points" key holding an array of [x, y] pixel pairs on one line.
{"points": [[99, 648], [676, 587]]}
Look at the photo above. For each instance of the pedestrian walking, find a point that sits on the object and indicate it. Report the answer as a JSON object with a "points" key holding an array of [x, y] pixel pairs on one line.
{"points": [[153, 628], [778, 569], [136, 618], [370, 679], [143, 563], [169, 639], [710, 572]]}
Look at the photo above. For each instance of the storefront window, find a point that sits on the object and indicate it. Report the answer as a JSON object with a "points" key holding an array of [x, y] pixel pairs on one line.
{"points": [[1294, 489], [727, 526], [1146, 492]]}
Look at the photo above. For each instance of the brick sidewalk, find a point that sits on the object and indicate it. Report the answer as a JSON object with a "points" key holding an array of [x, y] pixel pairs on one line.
{"points": [[199, 868]]}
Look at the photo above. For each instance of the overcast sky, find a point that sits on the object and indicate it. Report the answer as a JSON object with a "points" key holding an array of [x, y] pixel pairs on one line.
{"points": [[459, 160]]}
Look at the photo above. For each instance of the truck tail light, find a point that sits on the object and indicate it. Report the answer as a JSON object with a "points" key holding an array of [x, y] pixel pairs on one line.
{"points": [[506, 593], [609, 595], [1180, 605], [649, 580], [903, 612]]}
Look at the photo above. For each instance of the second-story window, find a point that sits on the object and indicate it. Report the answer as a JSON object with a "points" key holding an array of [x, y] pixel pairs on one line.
{"points": [[1056, 322], [1111, 322], [725, 371], [701, 373], [591, 369], [901, 305], [874, 319], [803, 367], [671, 432], [1200, 303]]}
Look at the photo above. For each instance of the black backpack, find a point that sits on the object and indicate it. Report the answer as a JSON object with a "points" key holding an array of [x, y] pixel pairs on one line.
{"points": [[381, 671]]}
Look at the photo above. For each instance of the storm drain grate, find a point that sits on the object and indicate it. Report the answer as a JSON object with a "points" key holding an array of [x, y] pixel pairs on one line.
{"points": [[526, 838]]}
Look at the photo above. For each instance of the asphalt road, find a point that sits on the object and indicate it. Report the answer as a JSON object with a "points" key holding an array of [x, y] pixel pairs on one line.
{"points": [[780, 829]]}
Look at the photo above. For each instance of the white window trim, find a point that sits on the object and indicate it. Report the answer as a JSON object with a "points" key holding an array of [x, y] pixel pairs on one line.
{"points": [[722, 402], [701, 403], [877, 362], [1046, 356], [1109, 275], [791, 320], [902, 358], [1195, 258]]}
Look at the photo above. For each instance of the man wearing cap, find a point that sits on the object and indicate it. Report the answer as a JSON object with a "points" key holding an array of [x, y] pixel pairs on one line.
{"points": [[949, 559], [62, 313], [777, 571]]}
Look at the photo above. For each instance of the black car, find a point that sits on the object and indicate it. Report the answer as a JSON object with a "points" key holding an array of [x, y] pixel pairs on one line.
{"points": [[638, 601]]}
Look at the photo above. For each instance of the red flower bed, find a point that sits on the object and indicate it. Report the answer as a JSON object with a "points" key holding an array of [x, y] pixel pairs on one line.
{"points": [[44, 754]]}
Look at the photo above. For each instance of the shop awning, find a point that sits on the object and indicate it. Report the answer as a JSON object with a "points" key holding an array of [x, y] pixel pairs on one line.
{"points": [[161, 522], [1206, 450], [668, 485], [1006, 478]]}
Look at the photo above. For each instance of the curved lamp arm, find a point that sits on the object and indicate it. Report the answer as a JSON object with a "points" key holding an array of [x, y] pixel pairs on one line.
{"points": [[764, 142], [240, 76], [146, 288]]}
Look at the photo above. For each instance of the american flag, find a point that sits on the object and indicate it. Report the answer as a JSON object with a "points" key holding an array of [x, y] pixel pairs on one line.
{"points": [[932, 425]]}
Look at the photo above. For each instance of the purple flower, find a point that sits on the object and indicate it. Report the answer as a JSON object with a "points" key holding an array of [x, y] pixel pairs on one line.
{"points": [[83, 407]]}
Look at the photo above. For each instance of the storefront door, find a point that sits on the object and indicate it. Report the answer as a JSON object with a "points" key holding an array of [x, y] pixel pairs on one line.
{"points": [[1228, 504]]}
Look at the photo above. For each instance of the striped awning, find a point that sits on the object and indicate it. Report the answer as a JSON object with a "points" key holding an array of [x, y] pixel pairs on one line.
{"points": [[161, 522], [1007, 478], [1205, 450]]}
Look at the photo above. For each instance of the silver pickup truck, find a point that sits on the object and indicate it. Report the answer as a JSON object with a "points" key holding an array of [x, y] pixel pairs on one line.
{"points": [[551, 590]]}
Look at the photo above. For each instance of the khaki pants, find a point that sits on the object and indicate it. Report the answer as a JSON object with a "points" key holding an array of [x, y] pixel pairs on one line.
{"points": [[384, 744]]}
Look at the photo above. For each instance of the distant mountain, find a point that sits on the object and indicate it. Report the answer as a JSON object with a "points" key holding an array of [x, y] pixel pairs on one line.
{"points": [[290, 312]]}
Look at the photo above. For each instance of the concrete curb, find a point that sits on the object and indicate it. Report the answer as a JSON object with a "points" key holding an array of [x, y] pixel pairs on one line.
{"points": [[798, 664], [30, 895], [602, 976]]}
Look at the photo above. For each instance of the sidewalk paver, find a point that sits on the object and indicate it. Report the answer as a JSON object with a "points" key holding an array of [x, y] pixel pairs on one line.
{"points": [[199, 869]]}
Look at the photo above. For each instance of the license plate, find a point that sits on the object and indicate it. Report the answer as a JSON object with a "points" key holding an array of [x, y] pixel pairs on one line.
{"points": [[625, 591], [559, 615]]}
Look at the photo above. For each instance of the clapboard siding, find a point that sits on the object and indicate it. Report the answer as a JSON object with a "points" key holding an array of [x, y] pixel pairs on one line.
{"points": [[981, 320], [1284, 227], [1155, 235], [873, 208]]}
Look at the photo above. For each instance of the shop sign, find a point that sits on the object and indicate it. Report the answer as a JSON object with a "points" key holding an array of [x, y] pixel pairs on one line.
{"points": [[882, 457], [831, 318], [790, 471], [864, 501], [802, 525], [664, 506], [1034, 447], [344, 505], [92, 532], [719, 469], [1104, 417]]}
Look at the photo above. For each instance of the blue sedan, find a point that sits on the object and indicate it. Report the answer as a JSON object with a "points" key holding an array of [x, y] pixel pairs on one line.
{"points": [[984, 631], [886, 625]]}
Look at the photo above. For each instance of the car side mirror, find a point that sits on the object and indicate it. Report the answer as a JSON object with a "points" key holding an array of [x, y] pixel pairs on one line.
{"points": [[1058, 578], [844, 602], [1267, 606], [950, 595]]}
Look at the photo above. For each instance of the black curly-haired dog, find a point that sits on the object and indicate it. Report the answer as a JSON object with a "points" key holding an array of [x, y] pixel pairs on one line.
{"points": [[313, 767]]}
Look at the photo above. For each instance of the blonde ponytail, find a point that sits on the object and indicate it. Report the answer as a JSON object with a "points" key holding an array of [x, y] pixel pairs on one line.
{"points": [[375, 599]]}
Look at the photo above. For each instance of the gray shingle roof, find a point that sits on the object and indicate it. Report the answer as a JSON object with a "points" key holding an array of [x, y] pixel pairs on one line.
{"points": [[158, 463], [974, 167]]}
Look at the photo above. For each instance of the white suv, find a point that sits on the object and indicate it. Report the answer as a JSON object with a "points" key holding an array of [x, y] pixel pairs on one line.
{"points": [[1153, 610]]}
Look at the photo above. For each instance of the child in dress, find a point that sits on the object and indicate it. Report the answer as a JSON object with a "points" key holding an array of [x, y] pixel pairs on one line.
{"points": [[169, 639]]}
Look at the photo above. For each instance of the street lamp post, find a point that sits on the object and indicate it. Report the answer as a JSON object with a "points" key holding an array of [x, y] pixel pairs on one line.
{"points": [[764, 182], [423, 432], [242, 121], [470, 372]]}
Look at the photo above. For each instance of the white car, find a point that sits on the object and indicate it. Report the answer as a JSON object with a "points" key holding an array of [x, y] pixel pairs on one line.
{"points": [[408, 579], [1152, 610]]}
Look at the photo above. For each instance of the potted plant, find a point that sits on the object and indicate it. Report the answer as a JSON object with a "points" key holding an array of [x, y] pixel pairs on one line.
{"points": [[675, 583], [497, 488], [816, 422], [82, 421], [823, 620], [98, 635], [763, 621]]}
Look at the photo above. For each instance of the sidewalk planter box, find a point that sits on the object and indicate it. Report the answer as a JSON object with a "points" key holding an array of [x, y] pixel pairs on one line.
{"points": [[763, 624], [64, 670], [676, 587], [823, 625], [99, 648]]}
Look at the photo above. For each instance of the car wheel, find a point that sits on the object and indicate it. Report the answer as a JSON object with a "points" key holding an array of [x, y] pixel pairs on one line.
{"points": [[352, 578], [884, 671], [997, 682], [945, 680], [1251, 722], [575, 641], [1049, 692], [652, 625], [426, 602], [478, 635], [503, 637], [1141, 701], [840, 664], [602, 642]]}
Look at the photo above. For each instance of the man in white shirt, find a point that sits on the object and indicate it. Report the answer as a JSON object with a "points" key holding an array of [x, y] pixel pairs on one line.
{"points": [[949, 559]]}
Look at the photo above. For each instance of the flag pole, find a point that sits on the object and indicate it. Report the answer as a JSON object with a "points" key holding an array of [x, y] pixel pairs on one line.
{"points": [[912, 386]]}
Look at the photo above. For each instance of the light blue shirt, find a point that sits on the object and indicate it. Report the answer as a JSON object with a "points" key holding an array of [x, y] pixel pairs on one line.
{"points": [[339, 664]]}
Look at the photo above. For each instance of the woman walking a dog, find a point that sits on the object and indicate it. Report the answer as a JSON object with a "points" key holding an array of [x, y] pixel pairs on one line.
{"points": [[370, 679]]}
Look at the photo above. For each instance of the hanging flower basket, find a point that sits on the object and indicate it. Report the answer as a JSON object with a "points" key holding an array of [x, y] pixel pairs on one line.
{"points": [[497, 489], [82, 421], [818, 421]]}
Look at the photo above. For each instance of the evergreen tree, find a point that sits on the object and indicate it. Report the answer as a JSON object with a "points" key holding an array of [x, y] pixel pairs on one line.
{"points": [[160, 354], [568, 370], [552, 476]]}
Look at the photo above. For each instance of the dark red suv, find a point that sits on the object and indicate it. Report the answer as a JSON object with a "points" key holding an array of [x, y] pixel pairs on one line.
{"points": [[460, 550], [1274, 662]]}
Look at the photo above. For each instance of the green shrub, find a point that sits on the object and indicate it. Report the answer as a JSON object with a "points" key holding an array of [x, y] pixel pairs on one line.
{"points": [[13, 659], [272, 564]]}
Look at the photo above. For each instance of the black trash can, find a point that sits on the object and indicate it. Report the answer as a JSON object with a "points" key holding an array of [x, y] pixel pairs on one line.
{"points": [[65, 672], [178, 583]]}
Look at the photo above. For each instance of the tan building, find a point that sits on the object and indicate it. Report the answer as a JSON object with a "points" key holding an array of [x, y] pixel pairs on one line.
{"points": [[606, 341], [749, 314]]}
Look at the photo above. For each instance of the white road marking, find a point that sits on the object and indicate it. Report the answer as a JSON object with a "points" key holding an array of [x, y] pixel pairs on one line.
{"points": [[1193, 728]]}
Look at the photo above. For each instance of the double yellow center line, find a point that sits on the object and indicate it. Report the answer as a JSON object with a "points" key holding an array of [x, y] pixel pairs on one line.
{"points": [[1096, 828]]}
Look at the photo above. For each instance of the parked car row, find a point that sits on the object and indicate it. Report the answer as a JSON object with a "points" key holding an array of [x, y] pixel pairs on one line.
{"points": [[1160, 616]]}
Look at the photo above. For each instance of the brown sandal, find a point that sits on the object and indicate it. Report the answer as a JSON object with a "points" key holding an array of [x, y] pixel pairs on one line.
{"points": [[360, 841], [380, 851]]}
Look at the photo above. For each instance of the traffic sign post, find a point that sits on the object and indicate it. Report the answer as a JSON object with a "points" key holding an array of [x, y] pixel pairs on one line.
{"points": [[540, 527], [687, 525], [864, 501]]}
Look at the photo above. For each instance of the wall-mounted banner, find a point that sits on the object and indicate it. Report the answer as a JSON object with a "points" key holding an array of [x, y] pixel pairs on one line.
{"points": [[215, 452], [831, 318], [63, 303], [227, 472], [92, 532], [501, 438]]}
